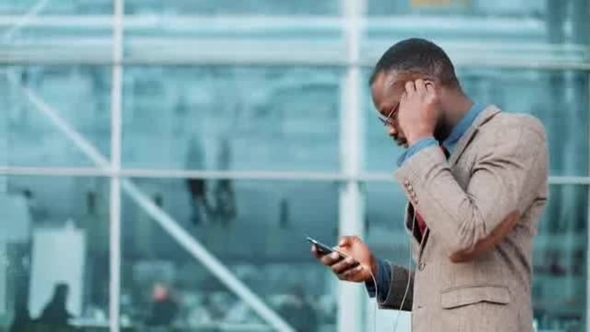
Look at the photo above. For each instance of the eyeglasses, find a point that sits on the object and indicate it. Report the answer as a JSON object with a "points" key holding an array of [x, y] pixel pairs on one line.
{"points": [[388, 121]]}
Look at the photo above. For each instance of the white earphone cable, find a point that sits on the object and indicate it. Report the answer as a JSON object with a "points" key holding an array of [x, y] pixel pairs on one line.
{"points": [[409, 269], [375, 308]]}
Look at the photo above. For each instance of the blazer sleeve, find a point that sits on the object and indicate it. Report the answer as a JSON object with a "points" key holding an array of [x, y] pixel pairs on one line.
{"points": [[401, 290], [510, 168]]}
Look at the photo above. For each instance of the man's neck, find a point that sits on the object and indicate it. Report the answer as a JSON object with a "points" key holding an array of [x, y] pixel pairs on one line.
{"points": [[457, 106]]}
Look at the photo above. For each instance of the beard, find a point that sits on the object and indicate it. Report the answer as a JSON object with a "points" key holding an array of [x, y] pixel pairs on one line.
{"points": [[443, 128]]}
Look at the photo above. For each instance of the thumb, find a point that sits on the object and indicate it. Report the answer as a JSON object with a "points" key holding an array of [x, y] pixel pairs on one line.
{"points": [[347, 241]]}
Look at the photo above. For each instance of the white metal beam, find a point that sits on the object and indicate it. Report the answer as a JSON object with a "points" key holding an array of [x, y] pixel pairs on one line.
{"points": [[178, 233], [461, 23], [233, 175], [351, 297], [115, 192], [259, 52]]}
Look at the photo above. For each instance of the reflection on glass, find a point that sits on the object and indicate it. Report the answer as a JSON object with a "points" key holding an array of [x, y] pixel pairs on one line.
{"points": [[514, 31], [77, 94], [546, 95], [231, 118], [229, 7], [262, 242], [386, 235], [21, 7], [560, 269], [502, 8], [54, 247]]}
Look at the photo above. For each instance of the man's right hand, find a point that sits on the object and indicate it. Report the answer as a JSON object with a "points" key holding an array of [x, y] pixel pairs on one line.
{"points": [[359, 264]]}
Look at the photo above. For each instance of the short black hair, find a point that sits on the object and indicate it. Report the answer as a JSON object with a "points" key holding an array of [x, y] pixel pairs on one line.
{"points": [[417, 55]]}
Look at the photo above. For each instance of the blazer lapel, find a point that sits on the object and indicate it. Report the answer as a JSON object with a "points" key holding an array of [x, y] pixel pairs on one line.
{"points": [[464, 141]]}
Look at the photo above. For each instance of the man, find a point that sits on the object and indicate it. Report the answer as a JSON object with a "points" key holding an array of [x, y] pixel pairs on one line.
{"points": [[476, 181]]}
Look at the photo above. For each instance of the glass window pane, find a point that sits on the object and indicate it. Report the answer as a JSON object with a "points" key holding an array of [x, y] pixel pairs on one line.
{"points": [[560, 261], [505, 8], [40, 99], [256, 229], [56, 39], [55, 231], [233, 39], [559, 257], [231, 118], [514, 31], [386, 235], [42, 7], [559, 99], [229, 7]]}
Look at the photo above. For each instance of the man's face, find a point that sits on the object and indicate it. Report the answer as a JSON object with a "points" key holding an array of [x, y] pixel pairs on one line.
{"points": [[387, 91]]}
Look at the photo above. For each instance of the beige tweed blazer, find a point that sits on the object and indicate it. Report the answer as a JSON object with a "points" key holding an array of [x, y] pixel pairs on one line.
{"points": [[499, 167]]}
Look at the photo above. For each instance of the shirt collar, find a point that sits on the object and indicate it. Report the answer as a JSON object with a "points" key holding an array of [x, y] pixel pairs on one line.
{"points": [[460, 128]]}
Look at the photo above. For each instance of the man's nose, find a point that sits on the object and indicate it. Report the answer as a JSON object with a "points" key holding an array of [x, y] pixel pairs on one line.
{"points": [[391, 131]]}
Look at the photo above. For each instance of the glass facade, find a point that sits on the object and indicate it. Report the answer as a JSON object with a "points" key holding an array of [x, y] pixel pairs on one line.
{"points": [[240, 130]]}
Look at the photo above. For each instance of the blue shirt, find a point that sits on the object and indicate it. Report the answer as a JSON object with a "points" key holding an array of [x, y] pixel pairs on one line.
{"points": [[450, 142], [384, 269]]}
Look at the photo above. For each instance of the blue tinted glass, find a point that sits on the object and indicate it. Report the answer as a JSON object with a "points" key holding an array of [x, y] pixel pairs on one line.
{"points": [[40, 99], [48, 217], [514, 32], [384, 218], [519, 8], [559, 260], [229, 7], [256, 229], [48, 7], [231, 118]]}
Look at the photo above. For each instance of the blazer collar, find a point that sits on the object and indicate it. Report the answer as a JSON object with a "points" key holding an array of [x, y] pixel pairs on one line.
{"points": [[483, 117]]}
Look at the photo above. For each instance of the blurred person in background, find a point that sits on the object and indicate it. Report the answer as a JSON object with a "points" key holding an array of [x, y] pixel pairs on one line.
{"points": [[33, 205], [476, 181], [195, 161], [56, 312], [225, 203], [164, 308]]}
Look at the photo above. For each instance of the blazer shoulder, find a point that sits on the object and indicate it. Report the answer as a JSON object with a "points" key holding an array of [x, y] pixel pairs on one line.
{"points": [[506, 125]]}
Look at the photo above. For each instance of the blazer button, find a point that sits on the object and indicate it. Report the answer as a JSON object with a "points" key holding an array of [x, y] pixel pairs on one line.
{"points": [[421, 266]]}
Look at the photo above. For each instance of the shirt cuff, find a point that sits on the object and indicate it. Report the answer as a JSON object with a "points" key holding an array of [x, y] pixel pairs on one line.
{"points": [[412, 150], [383, 281]]}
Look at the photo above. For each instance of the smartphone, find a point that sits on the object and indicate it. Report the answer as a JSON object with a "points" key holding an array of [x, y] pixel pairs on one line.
{"points": [[324, 249]]}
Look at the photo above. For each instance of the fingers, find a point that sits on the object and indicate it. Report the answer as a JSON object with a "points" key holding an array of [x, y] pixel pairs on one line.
{"points": [[352, 274], [420, 86], [410, 88], [347, 241], [430, 87], [344, 265], [330, 259]]}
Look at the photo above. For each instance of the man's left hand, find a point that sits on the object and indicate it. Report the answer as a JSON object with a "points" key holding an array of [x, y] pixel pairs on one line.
{"points": [[418, 111]]}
